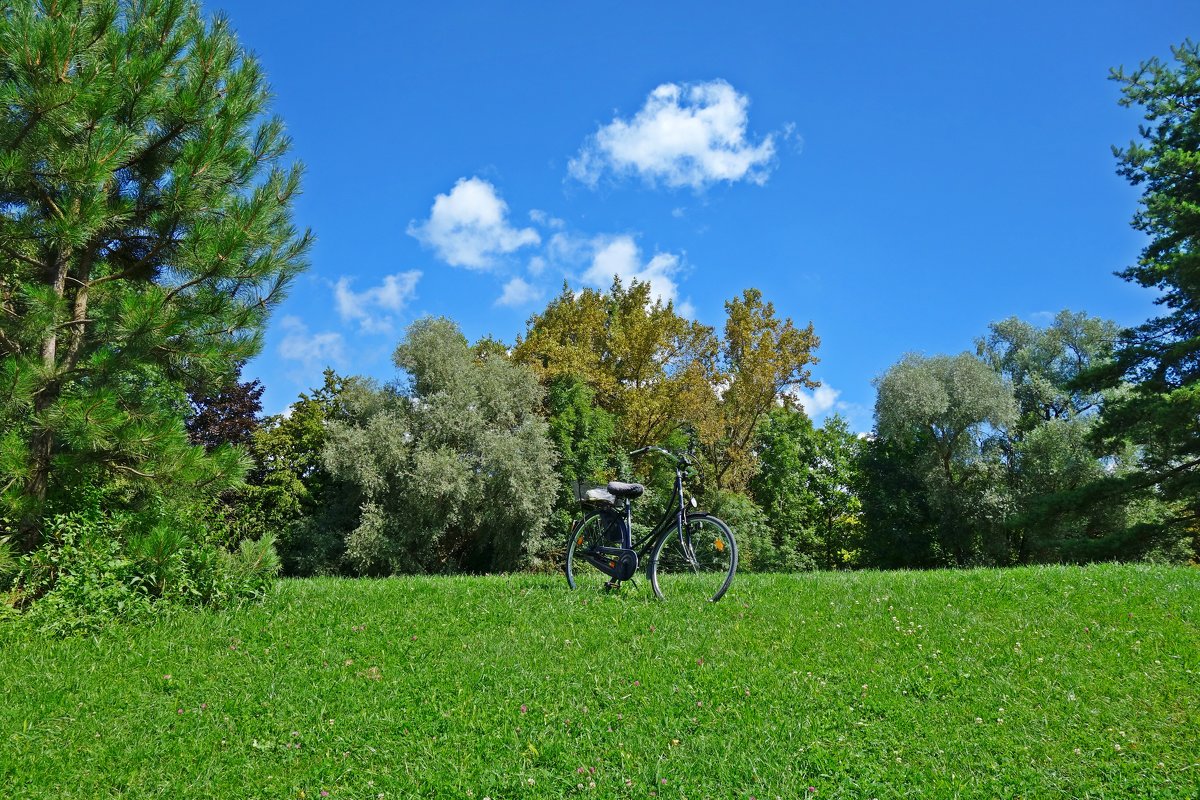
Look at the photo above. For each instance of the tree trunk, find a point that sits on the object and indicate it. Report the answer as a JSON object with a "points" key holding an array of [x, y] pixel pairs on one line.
{"points": [[42, 446]]}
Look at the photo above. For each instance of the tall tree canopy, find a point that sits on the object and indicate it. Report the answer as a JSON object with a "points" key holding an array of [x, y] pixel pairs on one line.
{"points": [[1051, 466], [936, 463], [1162, 356], [649, 366], [1044, 365], [145, 233], [763, 358], [454, 469]]}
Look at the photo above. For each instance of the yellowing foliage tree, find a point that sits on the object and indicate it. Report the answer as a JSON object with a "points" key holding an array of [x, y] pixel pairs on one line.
{"points": [[649, 366], [658, 373], [762, 358]]}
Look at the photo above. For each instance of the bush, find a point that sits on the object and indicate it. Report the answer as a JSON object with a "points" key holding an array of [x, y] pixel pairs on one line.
{"points": [[97, 567], [453, 467], [79, 579], [8, 565], [760, 548]]}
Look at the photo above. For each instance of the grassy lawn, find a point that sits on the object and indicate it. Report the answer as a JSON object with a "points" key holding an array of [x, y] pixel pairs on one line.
{"points": [[1040, 683]]}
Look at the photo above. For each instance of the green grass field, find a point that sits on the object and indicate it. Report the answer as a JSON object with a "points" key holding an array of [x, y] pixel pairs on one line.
{"points": [[1039, 683]]}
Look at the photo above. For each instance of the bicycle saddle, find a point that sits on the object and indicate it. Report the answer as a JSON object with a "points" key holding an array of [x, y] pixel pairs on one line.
{"points": [[630, 490]]}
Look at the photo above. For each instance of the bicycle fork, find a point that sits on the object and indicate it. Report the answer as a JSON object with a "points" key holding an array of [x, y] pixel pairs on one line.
{"points": [[685, 544]]}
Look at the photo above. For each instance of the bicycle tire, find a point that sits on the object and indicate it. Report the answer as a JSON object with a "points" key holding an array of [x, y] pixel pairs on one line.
{"points": [[704, 572], [585, 533]]}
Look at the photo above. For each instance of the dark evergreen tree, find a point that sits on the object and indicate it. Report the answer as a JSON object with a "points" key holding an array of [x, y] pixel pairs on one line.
{"points": [[1162, 356], [145, 234]]}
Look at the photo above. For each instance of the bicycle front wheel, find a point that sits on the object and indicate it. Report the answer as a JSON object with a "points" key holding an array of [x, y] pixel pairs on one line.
{"points": [[697, 563], [586, 536]]}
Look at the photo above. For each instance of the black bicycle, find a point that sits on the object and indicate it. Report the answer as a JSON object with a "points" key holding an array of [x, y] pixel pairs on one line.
{"points": [[687, 554]]}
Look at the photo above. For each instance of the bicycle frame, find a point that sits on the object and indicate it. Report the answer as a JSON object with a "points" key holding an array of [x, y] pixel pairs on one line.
{"points": [[672, 521]]}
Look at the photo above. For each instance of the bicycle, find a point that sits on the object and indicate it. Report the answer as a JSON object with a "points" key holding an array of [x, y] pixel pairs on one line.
{"points": [[690, 553]]}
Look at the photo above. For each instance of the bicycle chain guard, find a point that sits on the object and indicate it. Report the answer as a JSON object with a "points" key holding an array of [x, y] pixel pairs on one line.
{"points": [[616, 562]]}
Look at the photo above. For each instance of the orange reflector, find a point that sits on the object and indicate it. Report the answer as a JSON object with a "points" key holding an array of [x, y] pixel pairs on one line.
{"points": [[719, 544], [612, 564], [579, 541]]}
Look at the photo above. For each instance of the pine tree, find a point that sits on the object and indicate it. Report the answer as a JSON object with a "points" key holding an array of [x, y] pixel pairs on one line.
{"points": [[1162, 356], [145, 234]]}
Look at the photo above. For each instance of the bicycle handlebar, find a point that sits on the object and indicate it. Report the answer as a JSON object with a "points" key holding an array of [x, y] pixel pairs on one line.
{"points": [[677, 457]]}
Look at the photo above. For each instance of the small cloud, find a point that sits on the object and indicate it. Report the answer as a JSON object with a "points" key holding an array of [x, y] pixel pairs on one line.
{"points": [[537, 265], [310, 349], [686, 310], [1042, 318], [819, 401], [825, 400], [518, 292], [678, 212], [469, 226], [567, 248], [370, 308], [620, 256], [539, 217], [688, 135]]}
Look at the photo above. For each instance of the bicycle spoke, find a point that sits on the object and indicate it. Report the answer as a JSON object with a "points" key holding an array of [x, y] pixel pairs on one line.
{"points": [[697, 565], [581, 574]]}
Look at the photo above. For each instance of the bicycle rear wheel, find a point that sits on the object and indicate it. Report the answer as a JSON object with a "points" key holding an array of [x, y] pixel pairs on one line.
{"points": [[586, 535], [697, 563]]}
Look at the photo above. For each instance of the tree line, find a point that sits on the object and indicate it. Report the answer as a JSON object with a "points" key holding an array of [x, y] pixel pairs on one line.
{"points": [[146, 234]]}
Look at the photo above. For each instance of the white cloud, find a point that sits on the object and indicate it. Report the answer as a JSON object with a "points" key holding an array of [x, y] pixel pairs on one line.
{"points": [[619, 255], [518, 292], [537, 265], [539, 217], [685, 135], [469, 226], [310, 349], [370, 308], [824, 400], [819, 401]]}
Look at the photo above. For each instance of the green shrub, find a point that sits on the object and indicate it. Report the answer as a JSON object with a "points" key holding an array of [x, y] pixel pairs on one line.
{"points": [[158, 554], [255, 565], [760, 547], [96, 568], [8, 564], [80, 578]]}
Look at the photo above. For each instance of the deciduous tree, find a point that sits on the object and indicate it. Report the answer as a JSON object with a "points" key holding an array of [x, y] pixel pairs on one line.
{"points": [[763, 358], [651, 368], [942, 417], [453, 465]]}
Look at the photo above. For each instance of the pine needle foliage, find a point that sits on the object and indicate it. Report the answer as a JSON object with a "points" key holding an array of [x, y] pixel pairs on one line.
{"points": [[1160, 416], [145, 234]]}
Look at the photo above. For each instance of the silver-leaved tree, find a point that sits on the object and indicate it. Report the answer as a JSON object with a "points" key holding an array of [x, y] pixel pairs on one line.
{"points": [[454, 466]]}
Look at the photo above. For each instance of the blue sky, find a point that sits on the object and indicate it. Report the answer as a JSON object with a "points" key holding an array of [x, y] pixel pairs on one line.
{"points": [[900, 175]]}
